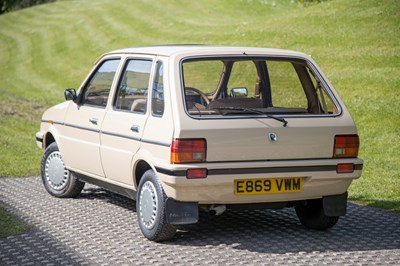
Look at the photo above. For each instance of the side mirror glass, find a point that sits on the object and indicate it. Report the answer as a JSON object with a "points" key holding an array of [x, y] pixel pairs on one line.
{"points": [[239, 92], [70, 95]]}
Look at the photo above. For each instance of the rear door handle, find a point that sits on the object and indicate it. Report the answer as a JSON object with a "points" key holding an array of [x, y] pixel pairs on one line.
{"points": [[135, 128], [93, 121]]}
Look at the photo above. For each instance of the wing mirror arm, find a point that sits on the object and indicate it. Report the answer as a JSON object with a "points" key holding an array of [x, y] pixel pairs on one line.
{"points": [[70, 95]]}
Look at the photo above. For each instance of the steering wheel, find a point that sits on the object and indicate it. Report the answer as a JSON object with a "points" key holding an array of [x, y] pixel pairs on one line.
{"points": [[199, 92]]}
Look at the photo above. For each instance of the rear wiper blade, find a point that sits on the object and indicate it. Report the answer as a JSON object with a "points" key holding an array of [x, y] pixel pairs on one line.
{"points": [[252, 110]]}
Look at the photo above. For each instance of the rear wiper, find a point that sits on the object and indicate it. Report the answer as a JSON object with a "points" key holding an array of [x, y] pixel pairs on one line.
{"points": [[252, 110]]}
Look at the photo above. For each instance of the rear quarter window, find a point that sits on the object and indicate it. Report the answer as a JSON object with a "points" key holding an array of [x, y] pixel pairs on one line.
{"points": [[286, 88], [203, 75]]}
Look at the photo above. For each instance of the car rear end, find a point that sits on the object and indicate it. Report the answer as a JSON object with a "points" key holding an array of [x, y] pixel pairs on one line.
{"points": [[287, 137], [232, 171]]}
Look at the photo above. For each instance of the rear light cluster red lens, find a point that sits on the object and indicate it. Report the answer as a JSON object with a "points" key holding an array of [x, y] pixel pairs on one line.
{"points": [[346, 146], [188, 150], [344, 168], [196, 173]]}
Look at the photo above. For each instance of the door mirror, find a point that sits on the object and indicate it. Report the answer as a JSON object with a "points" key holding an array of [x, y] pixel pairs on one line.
{"points": [[70, 95], [239, 92]]}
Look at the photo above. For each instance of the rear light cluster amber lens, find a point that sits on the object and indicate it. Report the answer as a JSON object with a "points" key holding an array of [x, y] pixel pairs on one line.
{"points": [[188, 150], [346, 146]]}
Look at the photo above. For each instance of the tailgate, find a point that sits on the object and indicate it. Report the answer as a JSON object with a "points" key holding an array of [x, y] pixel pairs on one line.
{"points": [[262, 139]]}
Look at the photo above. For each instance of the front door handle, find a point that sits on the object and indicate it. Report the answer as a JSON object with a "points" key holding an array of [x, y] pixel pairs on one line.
{"points": [[93, 121], [135, 128]]}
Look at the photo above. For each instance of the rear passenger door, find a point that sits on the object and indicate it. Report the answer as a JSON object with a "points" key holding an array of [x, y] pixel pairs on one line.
{"points": [[124, 123]]}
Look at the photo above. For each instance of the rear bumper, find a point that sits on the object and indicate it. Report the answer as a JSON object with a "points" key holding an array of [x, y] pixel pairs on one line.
{"points": [[319, 179]]}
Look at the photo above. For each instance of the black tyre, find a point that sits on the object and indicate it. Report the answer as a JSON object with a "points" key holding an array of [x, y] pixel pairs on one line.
{"points": [[150, 209], [57, 180], [312, 215]]}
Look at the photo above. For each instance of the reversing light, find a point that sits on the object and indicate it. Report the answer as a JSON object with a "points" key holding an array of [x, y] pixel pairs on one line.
{"points": [[188, 150], [346, 146]]}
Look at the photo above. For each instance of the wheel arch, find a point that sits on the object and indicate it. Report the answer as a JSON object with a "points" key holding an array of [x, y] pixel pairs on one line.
{"points": [[52, 135], [48, 139], [140, 168]]}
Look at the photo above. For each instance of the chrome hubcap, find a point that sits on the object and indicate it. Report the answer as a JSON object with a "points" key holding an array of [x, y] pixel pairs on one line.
{"points": [[148, 205], [55, 172]]}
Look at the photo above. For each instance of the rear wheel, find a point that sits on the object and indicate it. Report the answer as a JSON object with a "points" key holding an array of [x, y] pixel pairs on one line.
{"points": [[150, 208], [57, 180], [312, 215]]}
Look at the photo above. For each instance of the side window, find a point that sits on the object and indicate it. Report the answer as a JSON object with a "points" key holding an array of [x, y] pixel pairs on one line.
{"points": [[243, 79], [97, 90], [157, 102], [286, 88], [202, 75], [325, 104], [133, 87]]}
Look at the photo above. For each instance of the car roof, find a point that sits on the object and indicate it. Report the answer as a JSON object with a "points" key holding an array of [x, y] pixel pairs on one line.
{"points": [[181, 49]]}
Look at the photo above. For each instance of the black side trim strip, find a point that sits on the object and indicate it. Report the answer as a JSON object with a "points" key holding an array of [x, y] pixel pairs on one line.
{"points": [[171, 172], [39, 139], [84, 128], [110, 133], [54, 122], [114, 188], [264, 170], [135, 138], [90, 129], [119, 135], [156, 143]]}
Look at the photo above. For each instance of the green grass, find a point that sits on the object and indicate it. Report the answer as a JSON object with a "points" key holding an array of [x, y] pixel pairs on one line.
{"points": [[51, 47], [10, 226]]}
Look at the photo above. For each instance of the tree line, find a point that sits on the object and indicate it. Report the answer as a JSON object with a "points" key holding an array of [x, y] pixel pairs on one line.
{"points": [[10, 5]]}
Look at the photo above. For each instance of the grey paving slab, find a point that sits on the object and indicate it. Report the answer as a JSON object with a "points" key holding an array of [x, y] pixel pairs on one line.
{"points": [[100, 228]]}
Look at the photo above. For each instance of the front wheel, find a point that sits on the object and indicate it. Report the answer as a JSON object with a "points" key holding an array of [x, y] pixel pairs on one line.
{"points": [[312, 215], [150, 208], [57, 180]]}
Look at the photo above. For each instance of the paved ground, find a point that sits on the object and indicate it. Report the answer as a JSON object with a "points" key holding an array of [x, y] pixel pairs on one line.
{"points": [[100, 228]]}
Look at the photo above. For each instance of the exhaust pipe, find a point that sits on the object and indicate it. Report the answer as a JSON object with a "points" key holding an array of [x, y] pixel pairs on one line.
{"points": [[216, 209]]}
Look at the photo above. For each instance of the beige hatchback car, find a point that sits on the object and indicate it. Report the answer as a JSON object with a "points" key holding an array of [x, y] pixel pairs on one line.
{"points": [[189, 128]]}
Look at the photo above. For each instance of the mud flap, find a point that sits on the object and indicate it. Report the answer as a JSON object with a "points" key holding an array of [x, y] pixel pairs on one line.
{"points": [[335, 205], [181, 212]]}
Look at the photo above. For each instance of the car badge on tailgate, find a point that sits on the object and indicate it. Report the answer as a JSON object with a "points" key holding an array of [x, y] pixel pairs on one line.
{"points": [[272, 137]]}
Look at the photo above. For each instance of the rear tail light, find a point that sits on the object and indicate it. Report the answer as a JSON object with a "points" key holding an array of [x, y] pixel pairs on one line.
{"points": [[346, 146], [188, 150]]}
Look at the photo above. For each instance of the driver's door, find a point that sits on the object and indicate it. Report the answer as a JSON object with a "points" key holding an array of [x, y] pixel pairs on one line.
{"points": [[81, 132]]}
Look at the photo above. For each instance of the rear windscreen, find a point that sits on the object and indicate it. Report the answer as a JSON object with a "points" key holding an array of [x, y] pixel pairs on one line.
{"points": [[257, 86]]}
